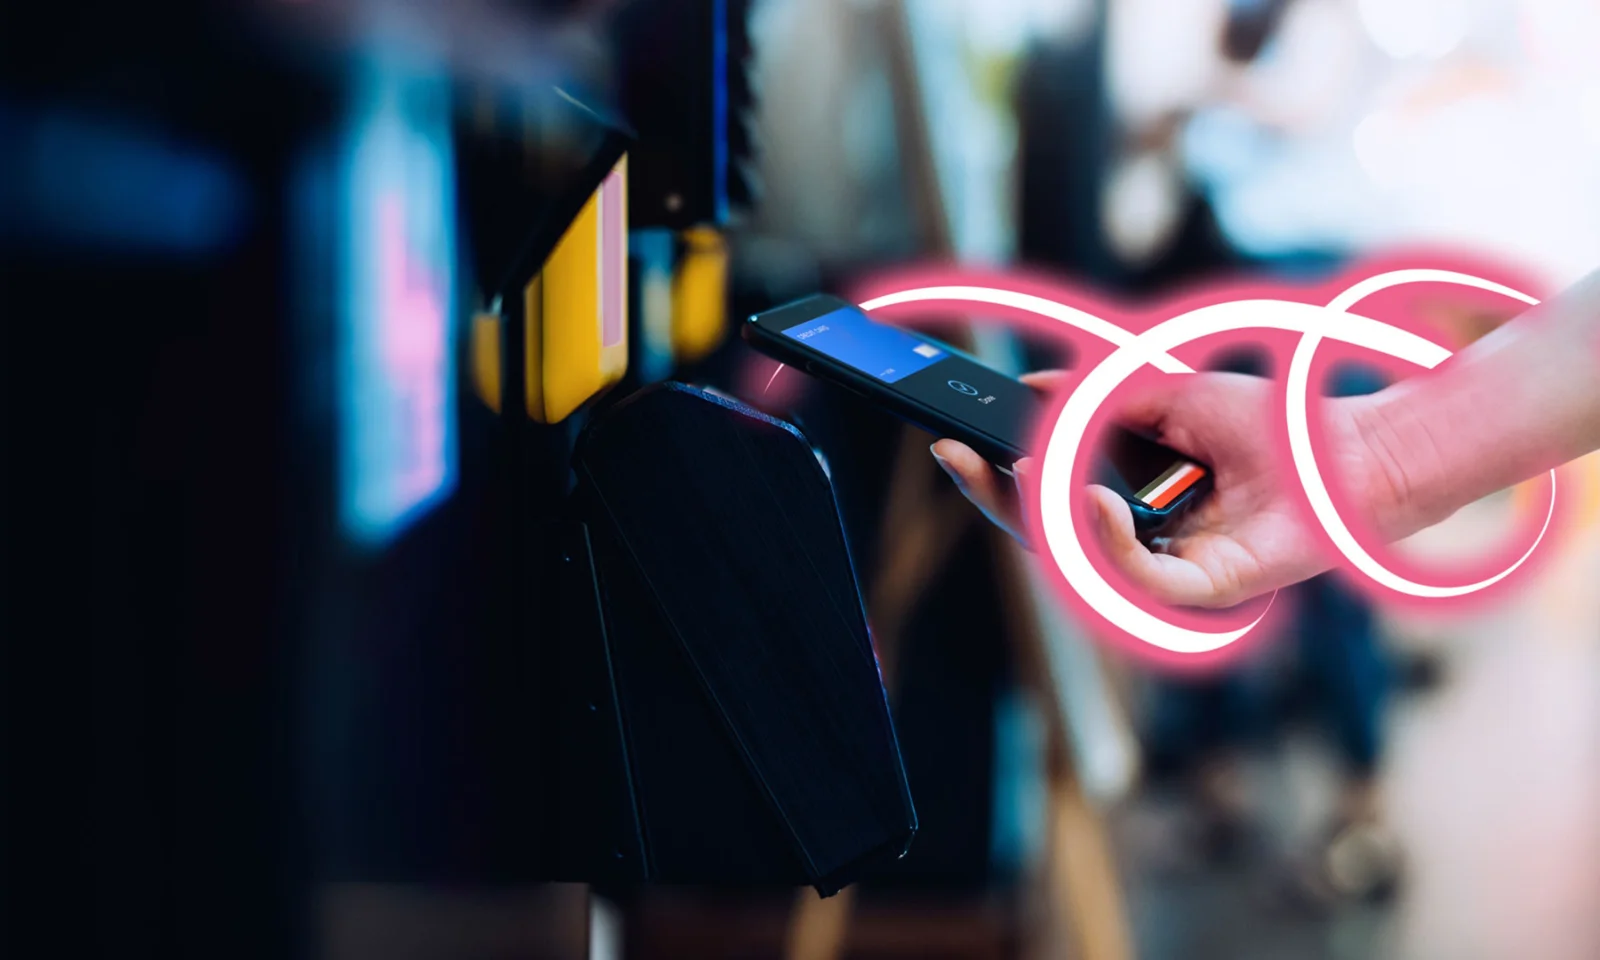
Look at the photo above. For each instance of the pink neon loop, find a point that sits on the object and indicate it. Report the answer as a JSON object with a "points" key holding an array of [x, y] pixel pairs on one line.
{"points": [[1133, 351]]}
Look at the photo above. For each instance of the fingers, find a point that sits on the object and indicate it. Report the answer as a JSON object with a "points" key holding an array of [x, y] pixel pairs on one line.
{"points": [[979, 482], [1023, 476], [1048, 380], [1146, 409], [1168, 579]]}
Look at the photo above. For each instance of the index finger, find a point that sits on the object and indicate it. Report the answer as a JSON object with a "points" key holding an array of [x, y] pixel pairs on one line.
{"points": [[978, 482], [1046, 379]]}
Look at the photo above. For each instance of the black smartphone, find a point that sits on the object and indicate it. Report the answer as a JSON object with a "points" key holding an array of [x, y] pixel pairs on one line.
{"points": [[952, 395]]}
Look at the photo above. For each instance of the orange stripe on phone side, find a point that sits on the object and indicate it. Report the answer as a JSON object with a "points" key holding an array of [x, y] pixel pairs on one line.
{"points": [[1185, 478]]}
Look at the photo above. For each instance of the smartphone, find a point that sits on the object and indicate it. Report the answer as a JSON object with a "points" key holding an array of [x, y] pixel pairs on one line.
{"points": [[952, 395]]}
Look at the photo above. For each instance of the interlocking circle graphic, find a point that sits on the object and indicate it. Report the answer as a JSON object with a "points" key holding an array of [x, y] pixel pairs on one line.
{"points": [[1131, 352]]}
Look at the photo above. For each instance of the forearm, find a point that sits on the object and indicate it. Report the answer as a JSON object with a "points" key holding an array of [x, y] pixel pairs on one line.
{"points": [[1522, 400]]}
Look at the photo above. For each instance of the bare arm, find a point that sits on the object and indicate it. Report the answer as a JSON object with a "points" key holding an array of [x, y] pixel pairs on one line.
{"points": [[1524, 399]]}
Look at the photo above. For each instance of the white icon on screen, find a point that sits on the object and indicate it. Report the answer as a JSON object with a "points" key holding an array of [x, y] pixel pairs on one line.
{"points": [[965, 388], [926, 350]]}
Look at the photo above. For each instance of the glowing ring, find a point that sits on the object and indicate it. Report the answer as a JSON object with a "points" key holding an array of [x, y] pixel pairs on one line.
{"points": [[1153, 346]]}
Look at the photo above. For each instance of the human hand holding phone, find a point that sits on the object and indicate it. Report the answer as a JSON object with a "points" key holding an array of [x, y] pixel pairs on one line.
{"points": [[1518, 403], [1246, 537]]}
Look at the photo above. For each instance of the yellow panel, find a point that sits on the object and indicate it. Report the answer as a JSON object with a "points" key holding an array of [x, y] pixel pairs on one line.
{"points": [[486, 359], [533, 346], [571, 319], [700, 295], [577, 339]]}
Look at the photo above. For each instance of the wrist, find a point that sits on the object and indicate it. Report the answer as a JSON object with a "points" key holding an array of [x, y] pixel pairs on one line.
{"points": [[1396, 464]]}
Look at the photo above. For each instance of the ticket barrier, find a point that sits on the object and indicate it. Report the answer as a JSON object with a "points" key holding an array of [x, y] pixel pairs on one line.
{"points": [[724, 720]]}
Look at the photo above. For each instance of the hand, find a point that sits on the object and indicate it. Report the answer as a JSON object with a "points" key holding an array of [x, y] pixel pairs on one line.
{"points": [[1246, 538]]}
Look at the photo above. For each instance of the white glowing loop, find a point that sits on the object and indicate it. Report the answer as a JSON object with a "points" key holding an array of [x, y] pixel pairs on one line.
{"points": [[1153, 346]]}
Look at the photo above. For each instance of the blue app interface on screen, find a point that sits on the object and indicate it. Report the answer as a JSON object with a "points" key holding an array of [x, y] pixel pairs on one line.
{"points": [[849, 336]]}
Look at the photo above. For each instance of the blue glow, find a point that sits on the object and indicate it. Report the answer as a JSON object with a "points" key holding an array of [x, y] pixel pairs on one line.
{"points": [[876, 349], [1019, 785], [651, 250], [397, 345], [719, 106], [1223, 145], [79, 178]]}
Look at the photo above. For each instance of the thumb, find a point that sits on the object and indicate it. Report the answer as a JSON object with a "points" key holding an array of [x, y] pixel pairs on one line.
{"points": [[1168, 579], [1113, 524]]}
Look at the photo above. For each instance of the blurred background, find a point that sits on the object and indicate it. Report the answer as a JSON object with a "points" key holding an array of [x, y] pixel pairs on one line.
{"points": [[277, 430]]}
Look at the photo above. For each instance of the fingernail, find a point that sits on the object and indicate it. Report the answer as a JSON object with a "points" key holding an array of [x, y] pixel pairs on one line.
{"points": [[944, 464]]}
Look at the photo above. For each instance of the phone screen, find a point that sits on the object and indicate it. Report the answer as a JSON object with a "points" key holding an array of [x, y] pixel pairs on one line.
{"points": [[986, 399], [982, 407]]}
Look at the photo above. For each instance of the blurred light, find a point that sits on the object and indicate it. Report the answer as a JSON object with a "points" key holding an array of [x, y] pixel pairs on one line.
{"points": [[1020, 792], [1305, 72], [78, 178], [1160, 56], [1141, 207], [719, 106], [1560, 36], [651, 250], [605, 930], [1307, 196], [397, 386], [1065, 21], [1007, 26], [1379, 148], [1223, 144], [1493, 150], [1415, 28], [1591, 114], [700, 295]]}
